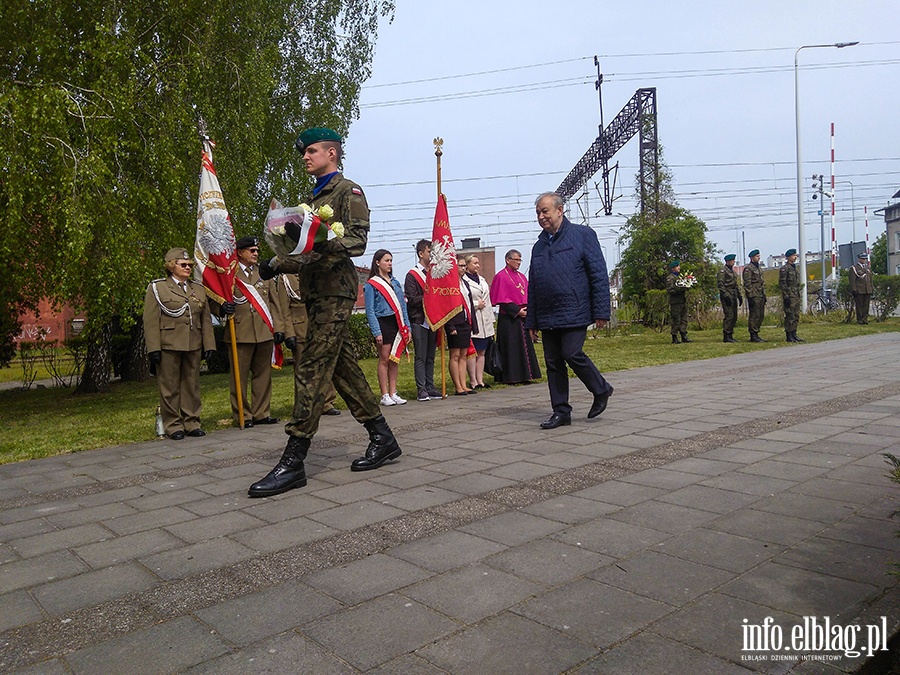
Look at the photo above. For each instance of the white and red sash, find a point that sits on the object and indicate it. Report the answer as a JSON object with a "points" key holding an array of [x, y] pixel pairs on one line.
{"points": [[252, 296], [420, 277], [387, 292]]}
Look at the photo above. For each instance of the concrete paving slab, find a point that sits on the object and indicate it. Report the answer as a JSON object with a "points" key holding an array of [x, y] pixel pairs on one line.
{"points": [[507, 644], [446, 551], [365, 579]]}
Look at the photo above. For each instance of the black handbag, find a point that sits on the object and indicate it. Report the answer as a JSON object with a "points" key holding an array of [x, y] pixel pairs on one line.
{"points": [[493, 366]]}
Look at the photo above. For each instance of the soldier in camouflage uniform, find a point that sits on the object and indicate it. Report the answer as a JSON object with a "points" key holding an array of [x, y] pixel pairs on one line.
{"points": [[789, 283], [730, 296], [677, 303], [329, 284], [755, 288]]}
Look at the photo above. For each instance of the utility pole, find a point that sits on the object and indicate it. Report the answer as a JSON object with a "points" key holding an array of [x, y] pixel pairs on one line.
{"points": [[819, 186]]}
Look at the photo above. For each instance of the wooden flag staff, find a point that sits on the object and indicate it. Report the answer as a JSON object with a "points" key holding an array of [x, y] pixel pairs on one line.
{"points": [[438, 151]]}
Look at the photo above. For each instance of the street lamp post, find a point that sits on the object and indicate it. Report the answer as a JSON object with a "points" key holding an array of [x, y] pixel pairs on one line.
{"points": [[801, 227]]}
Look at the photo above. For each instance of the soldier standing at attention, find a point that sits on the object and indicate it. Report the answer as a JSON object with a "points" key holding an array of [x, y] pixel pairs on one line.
{"points": [[255, 340], [730, 296], [329, 285], [177, 326], [789, 283], [861, 288], [755, 289], [677, 303]]}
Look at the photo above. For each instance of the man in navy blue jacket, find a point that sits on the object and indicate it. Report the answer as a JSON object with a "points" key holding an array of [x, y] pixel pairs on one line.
{"points": [[568, 289]]}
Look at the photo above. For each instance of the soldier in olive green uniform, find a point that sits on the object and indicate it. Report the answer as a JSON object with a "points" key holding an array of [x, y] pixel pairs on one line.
{"points": [[329, 284], [861, 288], [755, 288], [677, 303], [789, 283], [293, 311], [255, 340], [177, 326], [730, 296]]}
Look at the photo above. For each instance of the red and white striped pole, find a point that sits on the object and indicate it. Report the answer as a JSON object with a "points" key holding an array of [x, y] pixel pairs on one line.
{"points": [[833, 239]]}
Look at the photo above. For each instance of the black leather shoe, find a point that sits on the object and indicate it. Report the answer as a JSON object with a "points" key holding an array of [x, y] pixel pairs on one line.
{"points": [[287, 474], [248, 424], [177, 436], [599, 404], [382, 446], [557, 420], [265, 420], [196, 433], [331, 411]]}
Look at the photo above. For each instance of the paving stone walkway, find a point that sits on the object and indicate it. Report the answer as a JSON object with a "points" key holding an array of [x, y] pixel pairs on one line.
{"points": [[714, 501]]}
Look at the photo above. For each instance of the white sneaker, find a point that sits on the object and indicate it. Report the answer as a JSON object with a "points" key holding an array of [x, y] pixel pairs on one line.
{"points": [[387, 400], [396, 399]]}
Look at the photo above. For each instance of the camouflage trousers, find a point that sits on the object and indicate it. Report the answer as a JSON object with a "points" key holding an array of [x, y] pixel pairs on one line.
{"points": [[678, 318], [729, 309], [328, 357], [756, 312], [791, 312]]}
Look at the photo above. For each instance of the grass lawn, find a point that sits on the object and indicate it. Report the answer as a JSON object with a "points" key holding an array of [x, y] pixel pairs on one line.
{"points": [[40, 422]]}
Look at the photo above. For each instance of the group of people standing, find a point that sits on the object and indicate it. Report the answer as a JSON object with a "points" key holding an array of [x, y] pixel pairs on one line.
{"points": [[789, 283], [307, 300]]}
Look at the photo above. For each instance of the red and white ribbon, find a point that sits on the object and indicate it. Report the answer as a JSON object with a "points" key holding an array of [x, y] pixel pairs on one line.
{"points": [[402, 338]]}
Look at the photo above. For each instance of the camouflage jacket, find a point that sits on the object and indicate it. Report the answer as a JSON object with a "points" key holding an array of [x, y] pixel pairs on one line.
{"points": [[676, 292], [754, 286], [789, 281], [727, 281], [333, 274]]}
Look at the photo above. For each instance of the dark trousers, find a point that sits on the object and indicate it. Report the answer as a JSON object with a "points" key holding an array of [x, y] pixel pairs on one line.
{"points": [[328, 356], [424, 340], [565, 347], [862, 300]]}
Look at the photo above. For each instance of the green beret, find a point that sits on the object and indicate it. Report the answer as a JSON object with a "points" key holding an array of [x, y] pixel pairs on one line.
{"points": [[316, 135], [730, 256], [177, 254], [753, 253], [674, 263], [790, 252]]}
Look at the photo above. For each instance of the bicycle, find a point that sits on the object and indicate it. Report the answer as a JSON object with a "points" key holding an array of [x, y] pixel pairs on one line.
{"points": [[826, 301]]}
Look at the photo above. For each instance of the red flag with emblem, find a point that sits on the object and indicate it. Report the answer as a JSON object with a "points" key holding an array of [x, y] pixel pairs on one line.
{"points": [[214, 246], [442, 299]]}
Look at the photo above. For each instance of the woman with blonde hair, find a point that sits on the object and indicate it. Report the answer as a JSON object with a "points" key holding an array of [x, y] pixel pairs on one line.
{"points": [[478, 293]]}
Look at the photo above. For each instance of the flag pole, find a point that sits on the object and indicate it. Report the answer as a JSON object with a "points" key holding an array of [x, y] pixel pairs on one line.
{"points": [[204, 138], [438, 144]]}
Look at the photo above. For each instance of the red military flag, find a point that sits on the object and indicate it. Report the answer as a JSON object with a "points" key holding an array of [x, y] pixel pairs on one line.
{"points": [[214, 247], [443, 299]]}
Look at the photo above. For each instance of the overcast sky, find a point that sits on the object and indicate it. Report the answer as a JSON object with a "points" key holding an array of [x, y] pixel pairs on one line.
{"points": [[509, 86]]}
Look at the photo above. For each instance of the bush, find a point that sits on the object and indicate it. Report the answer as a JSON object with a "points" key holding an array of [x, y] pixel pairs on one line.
{"points": [[361, 337], [886, 297]]}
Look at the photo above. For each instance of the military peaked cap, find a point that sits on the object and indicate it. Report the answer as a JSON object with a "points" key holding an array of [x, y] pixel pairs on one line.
{"points": [[177, 254]]}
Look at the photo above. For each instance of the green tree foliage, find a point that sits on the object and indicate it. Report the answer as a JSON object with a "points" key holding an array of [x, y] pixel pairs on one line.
{"points": [[654, 237], [878, 259], [99, 154]]}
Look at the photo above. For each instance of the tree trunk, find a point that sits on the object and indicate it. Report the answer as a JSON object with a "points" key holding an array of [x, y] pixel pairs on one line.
{"points": [[134, 366], [97, 363]]}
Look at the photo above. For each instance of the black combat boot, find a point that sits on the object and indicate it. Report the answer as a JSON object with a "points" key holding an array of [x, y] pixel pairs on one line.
{"points": [[790, 336], [674, 339], [684, 338], [729, 337], [796, 339], [287, 474], [382, 446], [754, 337]]}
